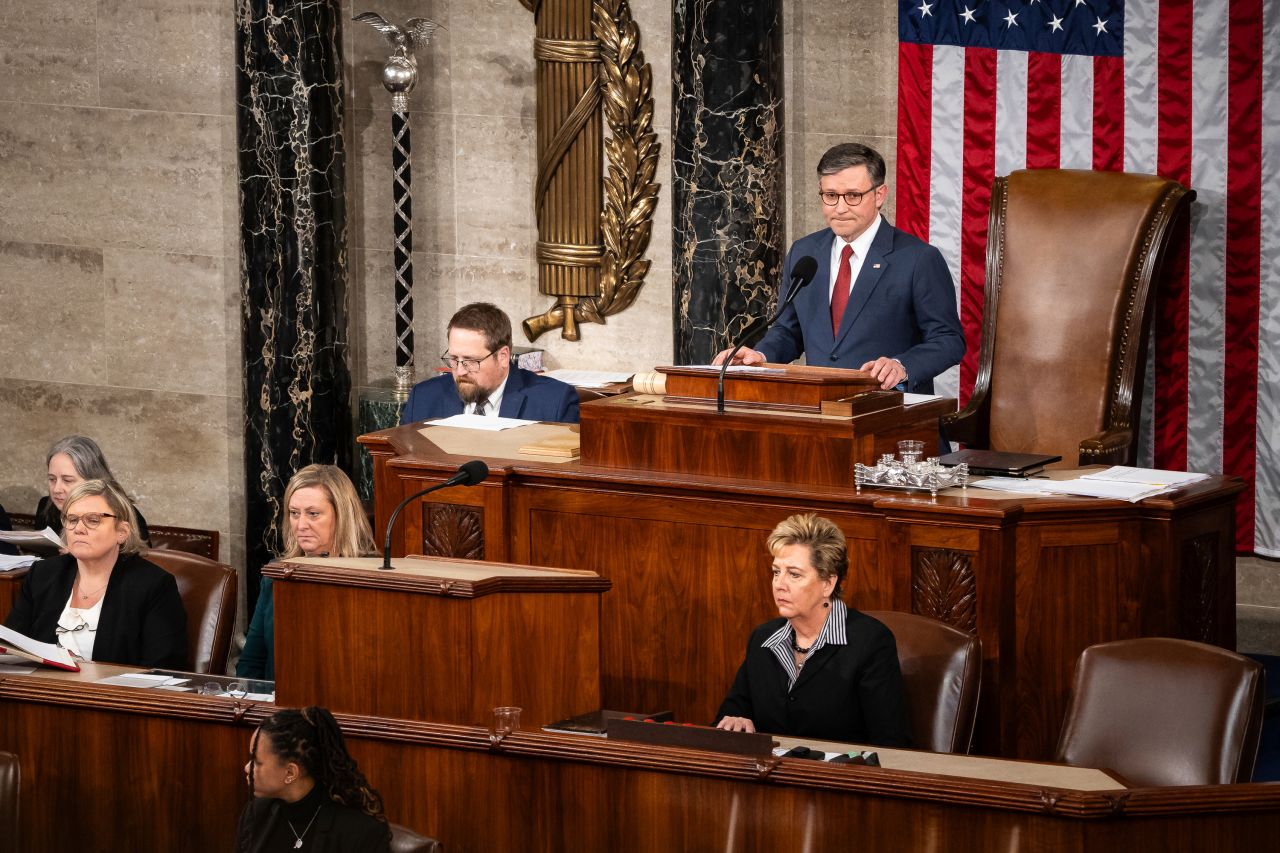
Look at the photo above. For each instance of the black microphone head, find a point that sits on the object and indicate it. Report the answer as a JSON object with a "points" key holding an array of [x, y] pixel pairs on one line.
{"points": [[473, 472], [803, 272]]}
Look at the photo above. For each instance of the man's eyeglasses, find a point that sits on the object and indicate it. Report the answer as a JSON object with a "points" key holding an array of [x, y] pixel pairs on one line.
{"points": [[468, 365], [91, 520], [853, 199]]}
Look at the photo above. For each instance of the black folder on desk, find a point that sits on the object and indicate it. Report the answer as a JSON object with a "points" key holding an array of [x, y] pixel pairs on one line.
{"points": [[994, 463]]}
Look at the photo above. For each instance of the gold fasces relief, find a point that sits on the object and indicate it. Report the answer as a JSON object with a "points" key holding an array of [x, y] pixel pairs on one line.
{"points": [[624, 91]]}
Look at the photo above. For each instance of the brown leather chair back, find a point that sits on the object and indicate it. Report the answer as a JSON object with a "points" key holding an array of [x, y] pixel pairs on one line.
{"points": [[208, 591], [10, 778], [1165, 712], [1073, 262], [942, 673], [405, 840], [189, 539]]}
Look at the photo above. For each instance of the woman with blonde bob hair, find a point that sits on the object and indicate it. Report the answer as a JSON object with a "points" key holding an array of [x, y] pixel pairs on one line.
{"points": [[822, 669], [323, 518], [100, 600]]}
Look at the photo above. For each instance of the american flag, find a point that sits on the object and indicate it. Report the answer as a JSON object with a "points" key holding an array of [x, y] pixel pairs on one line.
{"points": [[1187, 91]]}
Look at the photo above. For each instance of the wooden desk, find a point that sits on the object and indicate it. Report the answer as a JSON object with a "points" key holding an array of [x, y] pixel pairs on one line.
{"points": [[1037, 579], [436, 639], [158, 772]]}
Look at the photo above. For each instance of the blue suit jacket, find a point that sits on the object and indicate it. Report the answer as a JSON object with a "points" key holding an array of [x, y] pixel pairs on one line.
{"points": [[526, 395], [903, 305]]}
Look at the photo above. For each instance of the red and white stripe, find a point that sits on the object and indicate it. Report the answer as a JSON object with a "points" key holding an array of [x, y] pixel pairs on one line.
{"points": [[1195, 98]]}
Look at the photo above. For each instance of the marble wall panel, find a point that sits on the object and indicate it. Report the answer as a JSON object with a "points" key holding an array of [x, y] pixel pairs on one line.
{"points": [[170, 451], [53, 329], [81, 176], [367, 51], [844, 68], [167, 319], [494, 171], [167, 55], [370, 180], [48, 51], [492, 67]]}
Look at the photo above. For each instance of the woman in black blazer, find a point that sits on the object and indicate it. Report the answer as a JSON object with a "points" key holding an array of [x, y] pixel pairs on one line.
{"points": [[101, 601], [306, 792], [823, 670]]}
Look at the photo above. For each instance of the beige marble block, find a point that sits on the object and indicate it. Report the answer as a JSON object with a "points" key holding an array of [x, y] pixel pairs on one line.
{"points": [[492, 68], [114, 177], [48, 51], [54, 327], [167, 55], [494, 173], [172, 322]]}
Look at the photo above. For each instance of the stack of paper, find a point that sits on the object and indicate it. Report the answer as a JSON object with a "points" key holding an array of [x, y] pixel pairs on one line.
{"points": [[36, 540], [20, 561], [1119, 482]]}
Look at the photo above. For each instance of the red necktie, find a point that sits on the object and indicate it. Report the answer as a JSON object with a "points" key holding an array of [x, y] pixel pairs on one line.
{"points": [[840, 293]]}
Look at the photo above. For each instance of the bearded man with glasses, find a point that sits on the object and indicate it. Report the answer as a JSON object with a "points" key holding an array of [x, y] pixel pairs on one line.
{"points": [[882, 300], [483, 381]]}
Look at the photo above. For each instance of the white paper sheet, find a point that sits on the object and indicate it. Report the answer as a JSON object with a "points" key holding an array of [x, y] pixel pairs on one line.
{"points": [[1145, 476], [31, 537], [15, 669], [481, 422]]}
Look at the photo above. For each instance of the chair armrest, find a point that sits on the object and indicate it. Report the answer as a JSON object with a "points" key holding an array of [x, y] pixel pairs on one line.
{"points": [[1107, 448], [967, 426]]}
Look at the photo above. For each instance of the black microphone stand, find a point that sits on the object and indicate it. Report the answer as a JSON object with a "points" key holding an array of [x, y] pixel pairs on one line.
{"points": [[798, 284], [462, 478]]}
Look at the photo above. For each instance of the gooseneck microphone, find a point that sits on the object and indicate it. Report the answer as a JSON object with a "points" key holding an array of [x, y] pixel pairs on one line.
{"points": [[801, 274], [469, 473]]}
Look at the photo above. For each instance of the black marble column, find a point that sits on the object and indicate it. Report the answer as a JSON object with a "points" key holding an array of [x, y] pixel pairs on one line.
{"points": [[728, 171], [297, 384]]}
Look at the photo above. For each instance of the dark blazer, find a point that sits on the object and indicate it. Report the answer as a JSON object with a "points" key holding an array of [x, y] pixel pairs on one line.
{"points": [[337, 829], [258, 658], [905, 309], [851, 693], [143, 622], [47, 515], [526, 395]]}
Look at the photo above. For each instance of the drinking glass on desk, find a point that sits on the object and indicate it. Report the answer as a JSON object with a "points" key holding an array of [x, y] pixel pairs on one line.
{"points": [[506, 719], [910, 451]]}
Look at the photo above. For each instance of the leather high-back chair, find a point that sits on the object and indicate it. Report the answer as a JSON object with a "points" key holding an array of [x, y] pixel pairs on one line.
{"points": [[10, 778], [1074, 259], [405, 840], [208, 591], [1165, 712], [942, 673]]}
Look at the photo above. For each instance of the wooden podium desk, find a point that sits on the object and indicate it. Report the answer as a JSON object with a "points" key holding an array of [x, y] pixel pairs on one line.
{"points": [[436, 639], [1038, 579], [111, 768]]}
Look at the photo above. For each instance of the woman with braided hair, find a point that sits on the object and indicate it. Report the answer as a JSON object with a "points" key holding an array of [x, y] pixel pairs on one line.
{"points": [[306, 792]]}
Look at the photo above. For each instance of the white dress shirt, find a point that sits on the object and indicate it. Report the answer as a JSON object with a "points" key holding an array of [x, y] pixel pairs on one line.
{"points": [[78, 629], [861, 246], [494, 403]]}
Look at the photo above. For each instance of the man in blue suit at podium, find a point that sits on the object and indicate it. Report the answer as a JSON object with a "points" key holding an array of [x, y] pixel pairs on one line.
{"points": [[881, 300], [483, 381]]}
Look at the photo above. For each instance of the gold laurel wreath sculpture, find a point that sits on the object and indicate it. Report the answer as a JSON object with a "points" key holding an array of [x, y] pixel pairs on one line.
{"points": [[630, 191]]}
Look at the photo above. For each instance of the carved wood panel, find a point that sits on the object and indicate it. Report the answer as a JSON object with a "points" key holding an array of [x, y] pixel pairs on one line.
{"points": [[449, 530], [944, 587], [1199, 588]]}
